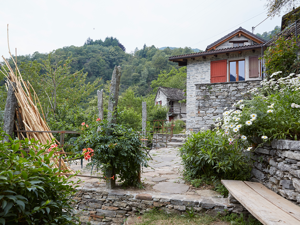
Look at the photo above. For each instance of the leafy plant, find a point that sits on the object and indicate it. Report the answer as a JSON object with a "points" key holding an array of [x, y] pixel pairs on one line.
{"points": [[210, 156], [31, 192], [116, 148], [281, 57]]}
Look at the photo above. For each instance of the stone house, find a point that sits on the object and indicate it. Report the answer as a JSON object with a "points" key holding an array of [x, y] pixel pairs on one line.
{"points": [[172, 98], [217, 77]]}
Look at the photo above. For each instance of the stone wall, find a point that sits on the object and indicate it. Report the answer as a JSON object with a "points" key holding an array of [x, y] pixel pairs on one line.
{"points": [[277, 166], [211, 99], [101, 207]]}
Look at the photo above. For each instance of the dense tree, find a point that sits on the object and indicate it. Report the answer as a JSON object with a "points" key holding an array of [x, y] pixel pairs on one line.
{"points": [[176, 78]]}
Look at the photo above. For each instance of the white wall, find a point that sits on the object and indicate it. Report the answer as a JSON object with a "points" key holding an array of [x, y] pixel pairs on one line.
{"points": [[161, 97]]}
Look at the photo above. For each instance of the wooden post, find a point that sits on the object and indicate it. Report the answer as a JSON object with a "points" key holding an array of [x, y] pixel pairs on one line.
{"points": [[100, 103], [61, 141], [10, 111], [111, 115], [144, 123]]}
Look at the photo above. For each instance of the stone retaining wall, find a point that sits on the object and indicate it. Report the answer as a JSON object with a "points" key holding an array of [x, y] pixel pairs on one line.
{"points": [[211, 99], [277, 166], [101, 207]]}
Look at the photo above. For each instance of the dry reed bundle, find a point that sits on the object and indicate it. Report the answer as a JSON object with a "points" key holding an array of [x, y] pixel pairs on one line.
{"points": [[28, 110]]}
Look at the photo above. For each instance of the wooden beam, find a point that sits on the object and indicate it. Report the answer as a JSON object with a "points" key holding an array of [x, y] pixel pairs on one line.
{"points": [[204, 57]]}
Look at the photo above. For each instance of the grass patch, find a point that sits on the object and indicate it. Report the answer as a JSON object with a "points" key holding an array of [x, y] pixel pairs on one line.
{"points": [[159, 217]]}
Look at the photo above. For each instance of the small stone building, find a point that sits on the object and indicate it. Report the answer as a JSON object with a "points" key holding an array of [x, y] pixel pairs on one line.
{"points": [[173, 98], [217, 76]]}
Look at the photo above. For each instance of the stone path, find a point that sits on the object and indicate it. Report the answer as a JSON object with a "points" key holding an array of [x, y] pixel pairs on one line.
{"points": [[162, 179]]}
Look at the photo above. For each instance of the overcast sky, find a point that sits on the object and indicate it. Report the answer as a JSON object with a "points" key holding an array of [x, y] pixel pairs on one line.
{"points": [[45, 25]]}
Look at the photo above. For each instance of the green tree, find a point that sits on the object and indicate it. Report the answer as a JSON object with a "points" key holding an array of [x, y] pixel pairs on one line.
{"points": [[176, 78], [57, 84]]}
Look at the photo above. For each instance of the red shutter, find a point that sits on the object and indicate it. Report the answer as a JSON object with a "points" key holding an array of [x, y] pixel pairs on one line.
{"points": [[253, 67], [218, 71]]}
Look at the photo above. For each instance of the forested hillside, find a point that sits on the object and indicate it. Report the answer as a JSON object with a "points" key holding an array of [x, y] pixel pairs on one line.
{"points": [[269, 35], [98, 58]]}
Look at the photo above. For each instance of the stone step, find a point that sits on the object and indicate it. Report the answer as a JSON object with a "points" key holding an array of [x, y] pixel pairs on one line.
{"points": [[180, 135], [175, 144], [177, 139]]}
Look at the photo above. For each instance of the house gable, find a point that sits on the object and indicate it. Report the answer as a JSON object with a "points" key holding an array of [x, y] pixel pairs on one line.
{"points": [[240, 35]]}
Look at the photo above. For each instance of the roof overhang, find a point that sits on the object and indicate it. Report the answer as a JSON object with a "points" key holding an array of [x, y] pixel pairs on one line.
{"points": [[182, 59]]}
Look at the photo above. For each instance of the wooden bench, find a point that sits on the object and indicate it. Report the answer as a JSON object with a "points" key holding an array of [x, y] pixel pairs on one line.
{"points": [[264, 204]]}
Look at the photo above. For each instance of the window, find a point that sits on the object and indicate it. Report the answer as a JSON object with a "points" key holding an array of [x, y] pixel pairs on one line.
{"points": [[237, 70], [218, 71], [238, 43]]}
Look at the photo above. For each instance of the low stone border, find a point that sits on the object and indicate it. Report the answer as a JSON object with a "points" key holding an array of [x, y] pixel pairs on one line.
{"points": [[277, 166], [102, 207]]}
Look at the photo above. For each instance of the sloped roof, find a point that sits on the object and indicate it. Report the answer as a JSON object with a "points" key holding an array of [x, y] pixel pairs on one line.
{"points": [[172, 93], [240, 29], [217, 51]]}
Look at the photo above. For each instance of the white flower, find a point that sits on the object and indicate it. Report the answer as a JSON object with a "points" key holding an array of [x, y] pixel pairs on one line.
{"points": [[248, 122], [270, 111], [252, 119], [293, 105], [241, 106], [270, 107], [240, 101], [231, 125], [297, 106], [226, 113], [226, 127], [230, 139], [264, 137], [253, 116], [244, 137], [226, 132], [239, 126], [235, 130], [249, 148], [237, 119]]}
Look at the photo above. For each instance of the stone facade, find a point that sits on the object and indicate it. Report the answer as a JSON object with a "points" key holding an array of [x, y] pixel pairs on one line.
{"points": [[211, 99], [277, 166], [104, 208], [198, 80]]}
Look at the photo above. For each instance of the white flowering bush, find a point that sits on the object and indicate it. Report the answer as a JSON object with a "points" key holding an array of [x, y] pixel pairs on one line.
{"points": [[272, 112]]}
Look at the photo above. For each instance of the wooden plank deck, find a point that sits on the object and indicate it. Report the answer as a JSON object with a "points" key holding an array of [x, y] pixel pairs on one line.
{"points": [[268, 207]]}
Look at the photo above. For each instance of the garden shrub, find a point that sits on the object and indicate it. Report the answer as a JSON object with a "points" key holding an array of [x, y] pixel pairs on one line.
{"points": [[31, 192], [116, 148], [208, 155]]}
